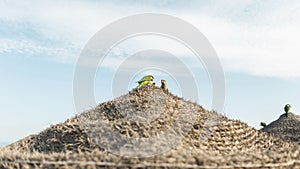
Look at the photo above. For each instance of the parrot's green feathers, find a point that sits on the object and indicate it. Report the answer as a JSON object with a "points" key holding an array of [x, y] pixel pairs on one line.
{"points": [[287, 108], [146, 78]]}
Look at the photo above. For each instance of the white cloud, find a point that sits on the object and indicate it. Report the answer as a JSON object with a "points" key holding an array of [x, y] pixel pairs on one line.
{"points": [[259, 38], [265, 50], [64, 54]]}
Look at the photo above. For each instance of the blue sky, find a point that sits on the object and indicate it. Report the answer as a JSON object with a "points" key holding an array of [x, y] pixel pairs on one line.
{"points": [[40, 41]]}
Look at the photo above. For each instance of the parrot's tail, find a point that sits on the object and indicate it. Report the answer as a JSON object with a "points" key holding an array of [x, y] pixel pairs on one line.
{"points": [[136, 87]]}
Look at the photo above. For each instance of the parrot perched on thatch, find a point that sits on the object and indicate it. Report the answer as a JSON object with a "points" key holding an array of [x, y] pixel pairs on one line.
{"points": [[263, 124], [164, 86], [146, 80], [287, 108]]}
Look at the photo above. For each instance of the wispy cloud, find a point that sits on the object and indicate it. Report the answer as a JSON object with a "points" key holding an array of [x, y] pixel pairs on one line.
{"points": [[259, 38], [26, 48]]}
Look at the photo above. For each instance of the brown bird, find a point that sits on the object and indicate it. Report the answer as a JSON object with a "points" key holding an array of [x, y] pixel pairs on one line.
{"points": [[164, 86]]}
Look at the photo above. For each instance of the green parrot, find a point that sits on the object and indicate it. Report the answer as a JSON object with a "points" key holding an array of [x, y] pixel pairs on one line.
{"points": [[263, 124], [287, 108], [146, 80], [164, 86]]}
